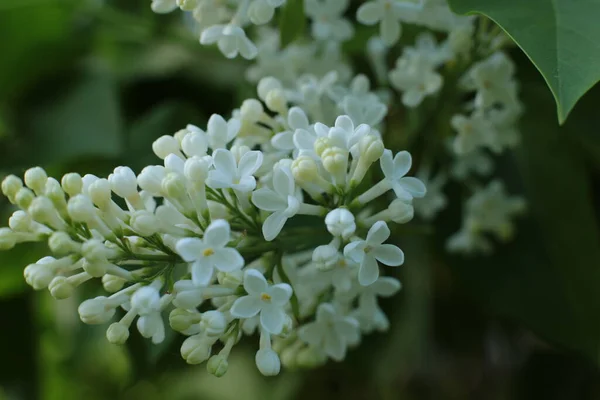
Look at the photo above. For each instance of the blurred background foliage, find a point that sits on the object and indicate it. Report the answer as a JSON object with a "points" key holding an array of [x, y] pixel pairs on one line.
{"points": [[88, 85]]}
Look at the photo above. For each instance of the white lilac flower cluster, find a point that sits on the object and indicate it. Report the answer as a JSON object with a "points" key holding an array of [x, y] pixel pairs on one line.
{"points": [[256, 223]]}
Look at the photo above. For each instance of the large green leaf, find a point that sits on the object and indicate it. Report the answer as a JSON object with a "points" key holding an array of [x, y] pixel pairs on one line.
{"points": [[559, 36], [291, 22]]}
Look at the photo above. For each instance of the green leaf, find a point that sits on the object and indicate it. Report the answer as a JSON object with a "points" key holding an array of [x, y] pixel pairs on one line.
{"points": [[559, 36], [83, 121], [291, 22]]}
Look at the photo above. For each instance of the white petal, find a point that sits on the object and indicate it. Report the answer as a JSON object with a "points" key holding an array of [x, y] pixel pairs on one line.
{"points": [[414, 186], [388, 254], [378, 233], [189, 248], [334, 346], [225, 163], [303, 139], [344, 122], [254, 282], [355, 250], [369, 13], [228, 260], [283, 140], [325, 313], [297, 119], [233, 127], [202, 272], [272, 319], [386, 286], [246, 307], [212, 34], [228, 46], [311, 334], [273, 225], [217, 234], [219, 179], [280, 293], [321, 129], [283, 182], [249, 163], [369, 271], [402, 164], [267, 200], [245, 185], [389, 29], [247, 49], [412, 98], [387, 164], [217, 126]]}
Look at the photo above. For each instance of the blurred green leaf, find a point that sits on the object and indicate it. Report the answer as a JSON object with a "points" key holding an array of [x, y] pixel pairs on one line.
{"points": [[83, 121], [291, 22], [559, 36]]}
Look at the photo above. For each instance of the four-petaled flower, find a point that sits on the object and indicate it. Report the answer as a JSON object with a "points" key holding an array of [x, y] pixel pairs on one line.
{"points": [[395, 169], [235, 175], [268, 300], [210, 252], [368, 252]]}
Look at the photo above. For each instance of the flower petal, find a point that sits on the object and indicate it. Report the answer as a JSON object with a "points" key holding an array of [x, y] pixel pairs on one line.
{"points": [[228, 259], [386, 286], [304, 140], [334, 345], [218, 179], [311, 334], [273, 225], [283, 182], [344, 122], [355, 250], [267, 200], [283, 140], [402, 164], [390, 29], [388, 254], [246, 307], [387, 164], [280, 293], [189, 248], [254, 282], [249, 163], [370, 13], [414, 186], [297, 119], [202, 272], [217, 234], [378, 233], [233, 127], [248, 50], [225, 163], [369, 271], [212, 34], [272, 318]]}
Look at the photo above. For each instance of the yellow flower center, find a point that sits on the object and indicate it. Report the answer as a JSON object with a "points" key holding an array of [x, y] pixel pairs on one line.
{"points": [[368, 249], [208, 252], [265, 297]]}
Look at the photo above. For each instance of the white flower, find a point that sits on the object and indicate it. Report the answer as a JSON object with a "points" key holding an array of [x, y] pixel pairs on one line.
{"points": [[231, 40], [493, 79], [297, 119], [230, 174], [340, 222], [416, 77], [146, 302], [331, 332], [210, 252], [473, 132], [268, 300], [395, 169], [388, 14], [267, 362], [368, 252], [163, 6], [327, 19], [220, 132], [281, 201]]}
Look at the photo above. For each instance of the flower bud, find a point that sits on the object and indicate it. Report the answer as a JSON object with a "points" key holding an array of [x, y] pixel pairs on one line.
{"points": [[187, 5], [196, 170], [276, 101], [35, 179], [94, 251], [213, 323], [335, 160], [10, 186], [173, 185], [60, 288], [24, 197], [340, 222], [20, 221], [144, 223], [8, 239], [146, 300], [100, 193], [371, 148], [165, 145], [123, 182], [96, 311], [265, 85], [325, 257], [81, 209], [61, 243], [231, 279], [304, 169], [72, 184], [56, 194], [42, 210], [321, 144], [196, 349], [112, 283], [96, 269], [40, 274], [150, 179], [401, 211], [267, 362], [117, 333], [195, 144], [181, 320], [251, 110], [310, 358], [260, 12]]}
